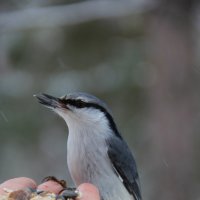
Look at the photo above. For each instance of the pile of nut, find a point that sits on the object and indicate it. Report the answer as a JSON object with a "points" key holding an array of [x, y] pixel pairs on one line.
{"points": [[29, 194], [33, 194]]}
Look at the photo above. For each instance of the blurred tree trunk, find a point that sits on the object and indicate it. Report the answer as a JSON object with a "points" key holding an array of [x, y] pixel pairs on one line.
{"points": [[174, 98]]}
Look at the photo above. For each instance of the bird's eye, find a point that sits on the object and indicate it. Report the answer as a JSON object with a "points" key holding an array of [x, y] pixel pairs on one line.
{"points": [[79, 104]]}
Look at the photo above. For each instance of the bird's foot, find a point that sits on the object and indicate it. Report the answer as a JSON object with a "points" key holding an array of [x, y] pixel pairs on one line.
{"points": [[68, 193], [65, 193]]}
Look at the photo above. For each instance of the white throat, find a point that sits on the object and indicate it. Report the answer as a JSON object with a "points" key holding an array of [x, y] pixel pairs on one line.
{"points": [[86, 121]]}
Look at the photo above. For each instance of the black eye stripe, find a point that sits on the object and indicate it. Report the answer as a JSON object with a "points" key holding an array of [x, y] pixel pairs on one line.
{"points": [[75, 102]]}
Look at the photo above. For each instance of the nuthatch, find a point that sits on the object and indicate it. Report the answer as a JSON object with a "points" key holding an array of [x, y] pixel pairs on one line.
{"points": [[96, 152]]}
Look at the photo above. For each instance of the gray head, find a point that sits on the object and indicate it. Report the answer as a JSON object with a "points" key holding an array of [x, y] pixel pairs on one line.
{"points": [[84, 97], [80, 109]]}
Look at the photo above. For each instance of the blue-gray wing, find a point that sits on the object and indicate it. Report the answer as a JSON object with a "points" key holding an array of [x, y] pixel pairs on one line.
{"points": [[124, 165]]}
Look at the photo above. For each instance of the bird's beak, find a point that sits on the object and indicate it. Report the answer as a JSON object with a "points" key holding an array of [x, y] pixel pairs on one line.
{"points": [[50, 101]]}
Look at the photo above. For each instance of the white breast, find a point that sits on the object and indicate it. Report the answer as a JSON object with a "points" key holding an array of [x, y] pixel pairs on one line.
{"points": [[88, 162]]}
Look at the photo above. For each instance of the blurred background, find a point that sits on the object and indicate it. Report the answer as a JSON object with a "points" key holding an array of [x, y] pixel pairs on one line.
{"points": [[140, 56]]}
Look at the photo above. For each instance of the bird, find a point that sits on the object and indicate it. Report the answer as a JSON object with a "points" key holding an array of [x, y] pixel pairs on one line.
{"points": [[96, 151]]}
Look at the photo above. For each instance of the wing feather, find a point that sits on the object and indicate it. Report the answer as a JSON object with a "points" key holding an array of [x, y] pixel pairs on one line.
{"points": [[124, 165]]}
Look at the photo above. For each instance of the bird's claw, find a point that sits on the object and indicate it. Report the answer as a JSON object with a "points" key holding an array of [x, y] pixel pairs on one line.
{"points": [[68, 193], [65, 194]]}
